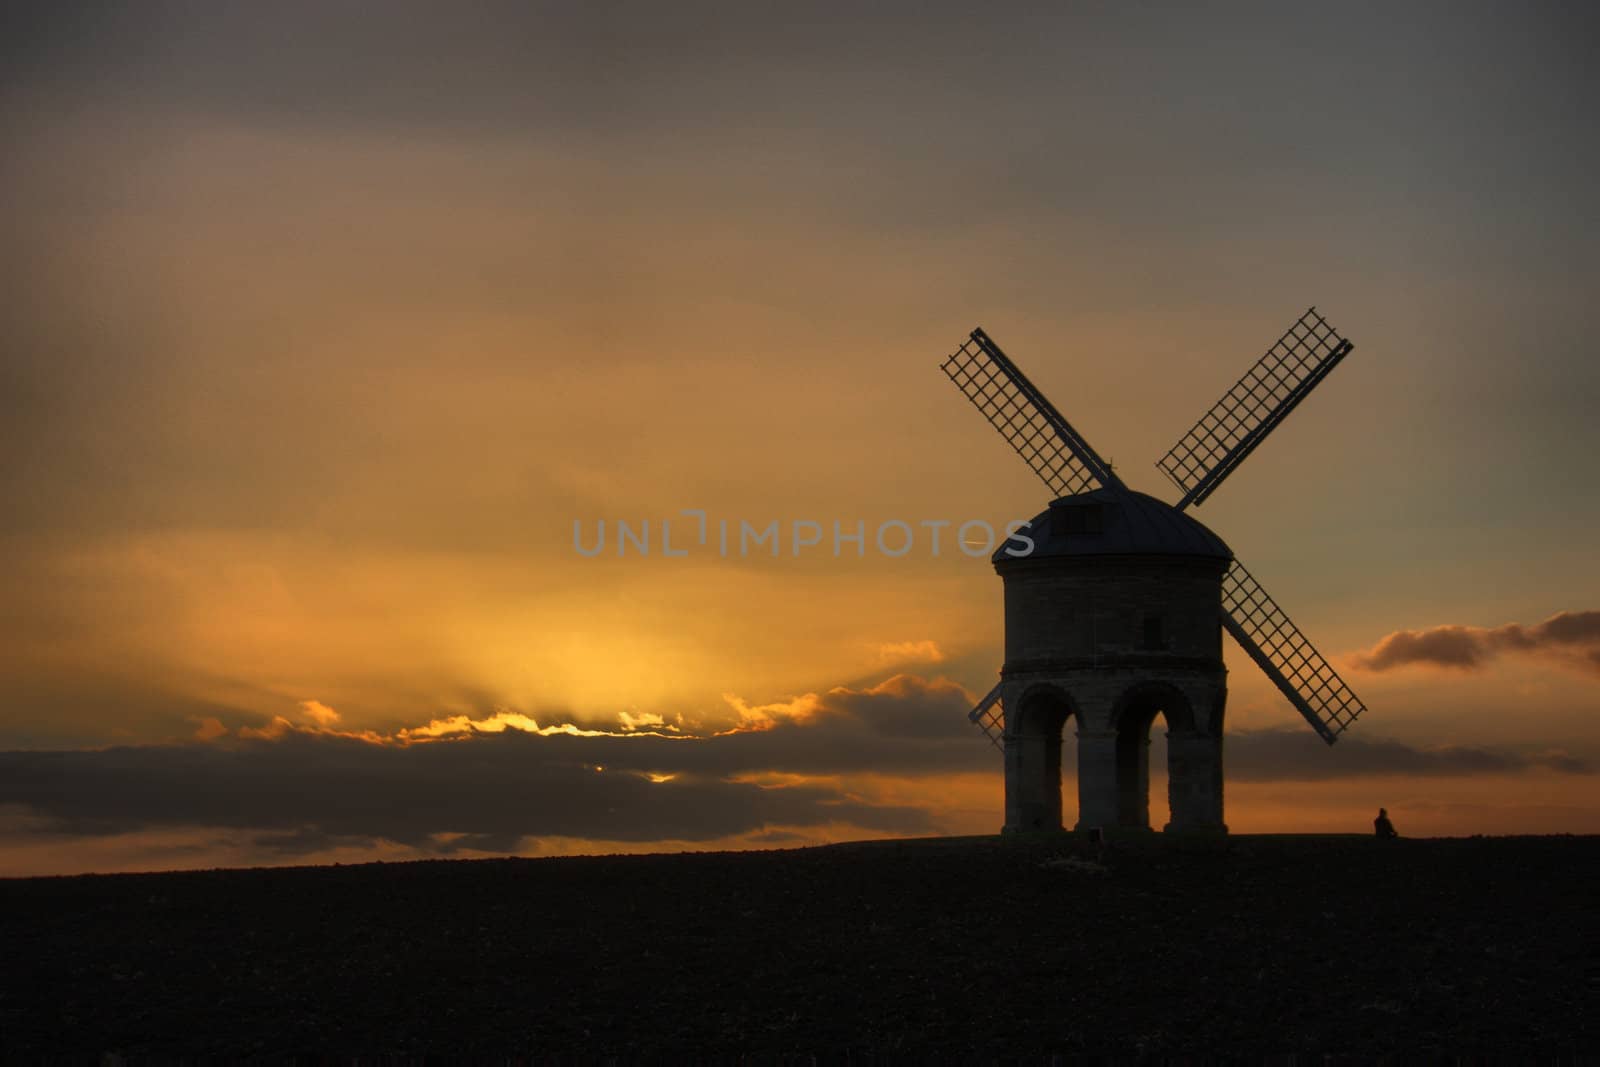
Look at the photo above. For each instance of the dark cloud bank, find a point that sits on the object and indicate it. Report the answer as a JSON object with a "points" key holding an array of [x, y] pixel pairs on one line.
{"points": [[1570, 639], [309, 788]]}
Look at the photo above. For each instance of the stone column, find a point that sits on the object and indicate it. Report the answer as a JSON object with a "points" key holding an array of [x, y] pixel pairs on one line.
{"points": [[1033, 779], [1194, 782], [1097, 779], [1133, 779]]}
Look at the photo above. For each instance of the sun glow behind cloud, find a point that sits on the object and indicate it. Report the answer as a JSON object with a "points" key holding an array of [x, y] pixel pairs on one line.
{"points": [[313, 373], [896, 757]]}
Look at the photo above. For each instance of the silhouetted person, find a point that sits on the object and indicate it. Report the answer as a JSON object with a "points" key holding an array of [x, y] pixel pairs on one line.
{"points": [[1382, 825]]}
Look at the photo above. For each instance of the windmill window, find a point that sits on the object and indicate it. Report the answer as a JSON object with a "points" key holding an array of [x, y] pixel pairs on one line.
{"points": [[1082, 519]]}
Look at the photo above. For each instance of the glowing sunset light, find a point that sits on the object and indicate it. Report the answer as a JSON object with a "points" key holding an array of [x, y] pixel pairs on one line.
{"points": [[313, 372]]}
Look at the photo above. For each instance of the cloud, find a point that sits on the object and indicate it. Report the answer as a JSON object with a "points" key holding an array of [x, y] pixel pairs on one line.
{"points": [[308, 788], [319, 713], [643, 721], [499, 722], [487, 783], [801, 709], [1567, 639], [1299, 755], [910, 652], [490, 783], [906, 706], [208, 728]]}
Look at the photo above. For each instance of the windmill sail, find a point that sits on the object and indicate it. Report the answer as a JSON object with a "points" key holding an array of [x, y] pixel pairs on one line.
{"points": [[1306, 353], [990, 717], [1030, 424], [1283, 653]]}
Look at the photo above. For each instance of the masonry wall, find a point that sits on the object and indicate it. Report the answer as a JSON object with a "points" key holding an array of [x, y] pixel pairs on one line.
{"points": [[1080, 653], [1091, 610]]}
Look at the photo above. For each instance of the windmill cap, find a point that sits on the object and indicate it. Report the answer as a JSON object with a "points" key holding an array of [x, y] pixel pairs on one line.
{"points": [[1115, 522]]}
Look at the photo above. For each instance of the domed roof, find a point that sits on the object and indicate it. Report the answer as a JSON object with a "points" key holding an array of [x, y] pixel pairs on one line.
{"points": [[1115, 522]]}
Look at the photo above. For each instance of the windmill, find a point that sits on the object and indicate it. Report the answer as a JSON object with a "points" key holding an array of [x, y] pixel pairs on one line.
{"points": [[1117, 613]]}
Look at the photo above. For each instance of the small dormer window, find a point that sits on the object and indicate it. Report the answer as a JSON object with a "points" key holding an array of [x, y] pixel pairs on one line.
{"points": [[1082, 519]]}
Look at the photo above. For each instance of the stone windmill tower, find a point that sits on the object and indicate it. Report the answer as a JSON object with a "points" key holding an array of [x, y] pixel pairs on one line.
{"points": [[1117, 613]]}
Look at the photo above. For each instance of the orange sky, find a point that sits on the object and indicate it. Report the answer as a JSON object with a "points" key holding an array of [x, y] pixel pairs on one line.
{"points": [[324, 333]]}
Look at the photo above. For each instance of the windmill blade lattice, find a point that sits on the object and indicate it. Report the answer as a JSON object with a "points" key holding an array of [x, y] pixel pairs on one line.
{"points": [[990, 717], [1221, 440], [1032, 426], [1284, 655], [1076, 558]]}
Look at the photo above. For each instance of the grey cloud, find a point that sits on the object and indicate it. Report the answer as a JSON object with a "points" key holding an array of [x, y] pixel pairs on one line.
{"points": [[905, 707], [1571, 628], [1571, 639], [1299, 755], [306, 789]]}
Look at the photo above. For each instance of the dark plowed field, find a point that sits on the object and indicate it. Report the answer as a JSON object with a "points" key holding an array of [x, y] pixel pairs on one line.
{"points": [[969, 948]]}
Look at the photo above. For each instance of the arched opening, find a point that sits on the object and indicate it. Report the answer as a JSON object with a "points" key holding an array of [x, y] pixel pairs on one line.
{"points": [[1033, 760], [1160, 784], [1136, 714]]}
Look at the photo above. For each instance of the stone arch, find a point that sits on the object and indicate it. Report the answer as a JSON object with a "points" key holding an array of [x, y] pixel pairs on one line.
{"points": [[1045, 706], [1132, 716], [1034, 734]]}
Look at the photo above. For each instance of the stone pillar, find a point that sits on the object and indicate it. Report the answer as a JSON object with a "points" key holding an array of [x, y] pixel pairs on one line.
{"points": [[1098, 799], [1194, 782], [1133, 779], [1033, 778]]}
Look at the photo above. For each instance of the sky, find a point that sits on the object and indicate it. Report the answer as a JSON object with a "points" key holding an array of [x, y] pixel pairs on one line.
{"points": [[330, 323]]}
